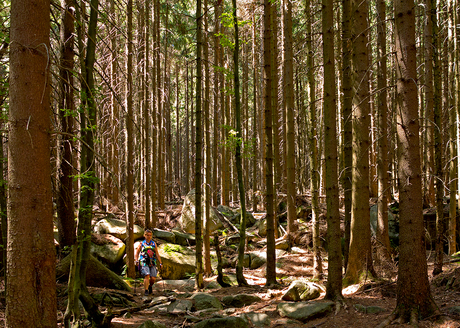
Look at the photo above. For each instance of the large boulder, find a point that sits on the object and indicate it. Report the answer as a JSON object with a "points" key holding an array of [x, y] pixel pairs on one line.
{"points": [[107, 248], [178, 261], [204, 301], [117, 228], [187, 219], [167, 236], [300, 290]]}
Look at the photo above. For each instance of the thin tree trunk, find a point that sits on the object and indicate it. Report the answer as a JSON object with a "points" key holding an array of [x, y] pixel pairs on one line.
{"points": [[382, 135], [238, 158], [198, 145], [347, 104], [438, 143], [130, 144], [269, 196], [334, 280], [289, 112], [65, 203], [313, 143]]}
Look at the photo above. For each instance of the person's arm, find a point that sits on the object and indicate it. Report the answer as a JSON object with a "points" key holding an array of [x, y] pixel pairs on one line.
{"points": [[136, 253]]}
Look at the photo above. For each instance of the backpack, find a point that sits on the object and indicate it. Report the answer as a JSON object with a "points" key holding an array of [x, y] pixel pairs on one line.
{"points": [[148, 255]]}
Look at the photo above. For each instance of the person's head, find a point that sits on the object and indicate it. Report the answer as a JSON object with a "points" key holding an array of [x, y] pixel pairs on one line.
{"points": [[148, 234]]}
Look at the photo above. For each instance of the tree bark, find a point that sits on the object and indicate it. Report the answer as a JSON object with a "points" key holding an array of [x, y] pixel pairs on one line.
{"points": [[413, 287], [334, 279], [360, 256], [198, 144], [269, 196], [31, 285], [65, 203]]}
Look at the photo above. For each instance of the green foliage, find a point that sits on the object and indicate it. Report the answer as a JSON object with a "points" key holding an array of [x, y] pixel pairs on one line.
{"points": [[174, 248]]}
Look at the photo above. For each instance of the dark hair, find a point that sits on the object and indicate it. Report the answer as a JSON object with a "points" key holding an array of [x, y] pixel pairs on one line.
{"points": [[147, 230]]}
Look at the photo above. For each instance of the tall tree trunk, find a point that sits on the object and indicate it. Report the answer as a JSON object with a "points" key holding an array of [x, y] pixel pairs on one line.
{"points": [[207, 184], [438, 142], [65, 203], [453, 186], [146, 115], [238, 158], [313, 143], [360, 256], [382, 135], [130, 145], [334, 279], [255, 125], [289, 112], [347, 105], [269, 196], [429, 106], [198, 145], [81, 250], [31, 285], [413, 289]]}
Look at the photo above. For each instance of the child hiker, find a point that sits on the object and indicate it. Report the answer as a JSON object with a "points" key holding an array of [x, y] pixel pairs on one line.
{"points": [[147, 256]]}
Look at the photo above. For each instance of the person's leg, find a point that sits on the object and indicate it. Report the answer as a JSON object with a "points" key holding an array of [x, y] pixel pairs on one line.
{"points": [[153, 273], [145, 271]]}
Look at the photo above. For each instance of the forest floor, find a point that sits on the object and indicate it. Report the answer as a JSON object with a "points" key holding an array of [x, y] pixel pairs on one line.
{"points": [[298, 265], [381, 294]]}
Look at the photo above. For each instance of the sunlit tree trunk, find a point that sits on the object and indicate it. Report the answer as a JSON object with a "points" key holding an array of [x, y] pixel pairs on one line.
{"points": [[360, 256]]}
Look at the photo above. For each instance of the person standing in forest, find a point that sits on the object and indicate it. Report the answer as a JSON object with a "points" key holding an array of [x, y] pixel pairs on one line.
{"points": [[147, 257]]}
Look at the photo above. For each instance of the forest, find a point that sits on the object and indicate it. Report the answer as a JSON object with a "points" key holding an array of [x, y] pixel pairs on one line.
{"points": [[127, 108]]}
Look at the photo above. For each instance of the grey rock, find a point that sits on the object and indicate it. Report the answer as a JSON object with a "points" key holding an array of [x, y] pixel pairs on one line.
{"points": [[259, 319], [205, 301], [240, 300], [187, 219], [117, 228], [300, 290], [304, 311], [167, 236], [180, 306]]}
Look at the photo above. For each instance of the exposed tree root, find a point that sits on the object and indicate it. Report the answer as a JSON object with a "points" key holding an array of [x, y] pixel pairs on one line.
{"points": [[411, 316]]}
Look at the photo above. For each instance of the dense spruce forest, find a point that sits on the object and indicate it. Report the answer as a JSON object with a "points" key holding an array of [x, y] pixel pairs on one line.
{"points": [[126, 108]]}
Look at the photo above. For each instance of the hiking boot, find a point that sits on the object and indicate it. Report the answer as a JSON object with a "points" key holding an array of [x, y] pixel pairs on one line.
{"points": [[146, 293], [150, 289]]}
